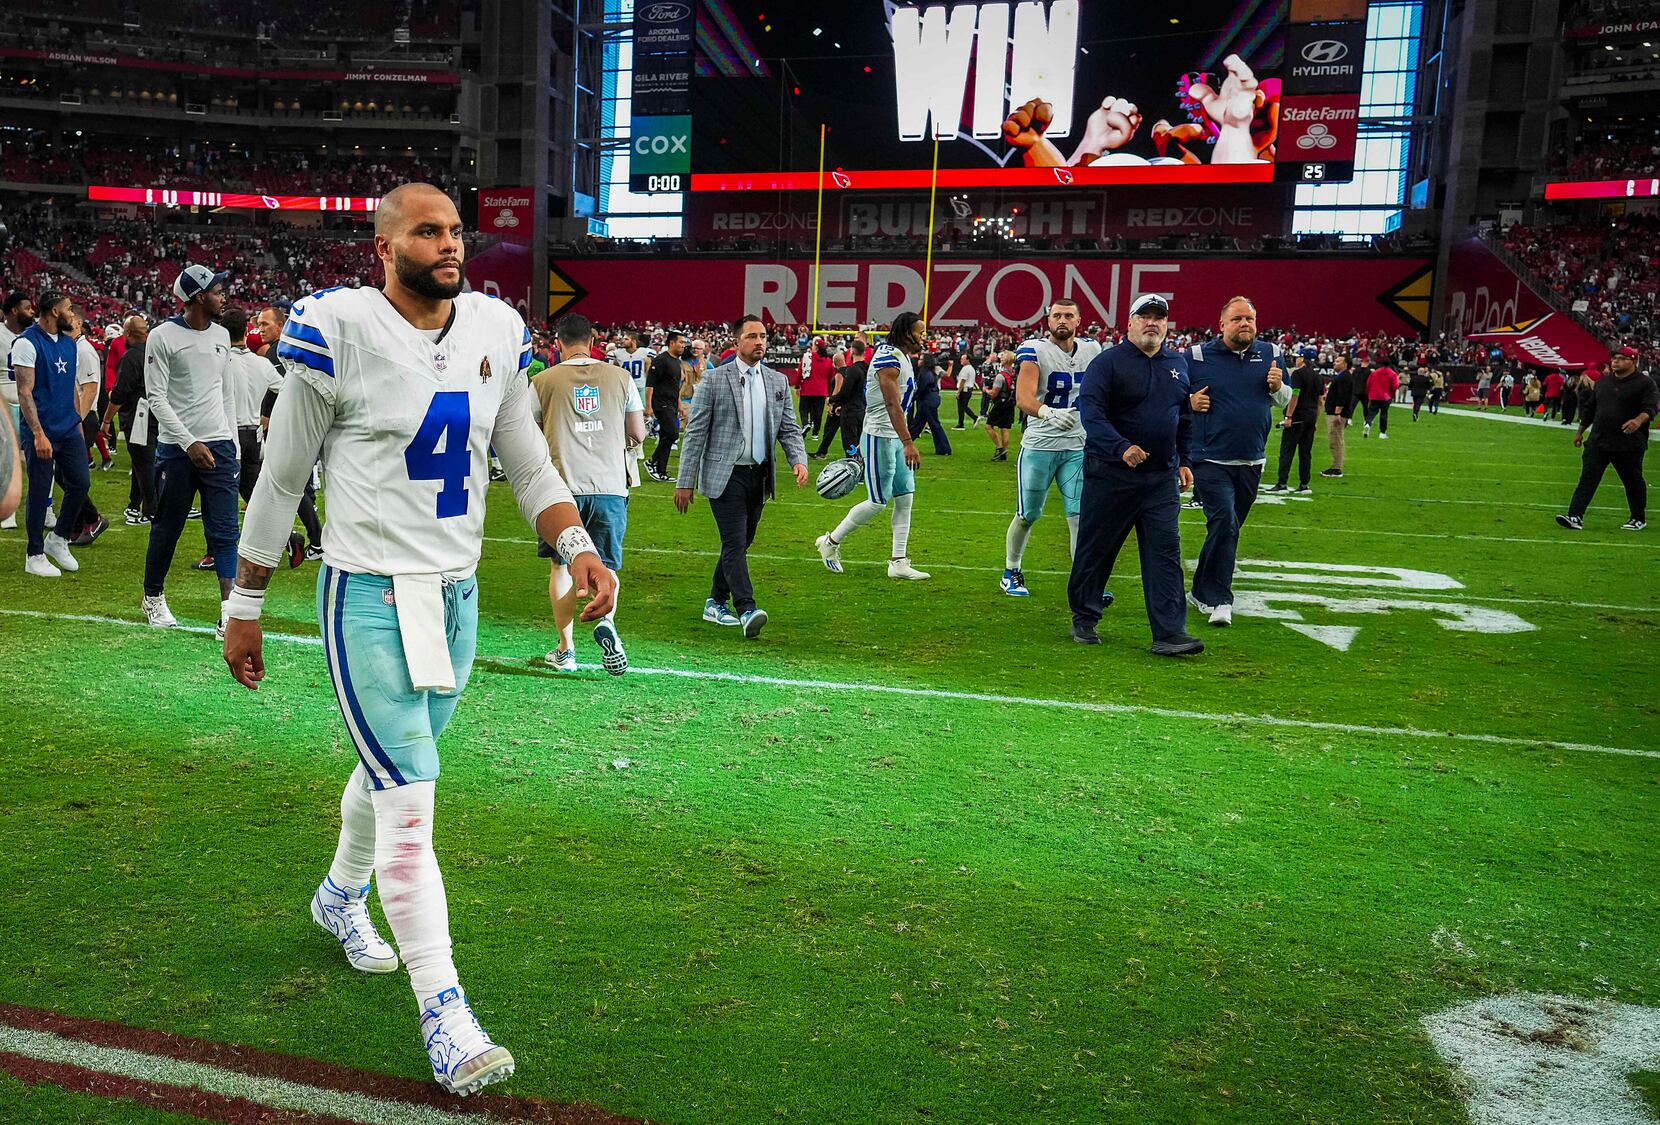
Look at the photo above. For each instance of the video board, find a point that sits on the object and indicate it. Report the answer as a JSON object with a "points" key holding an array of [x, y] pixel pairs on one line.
{"points": [[1026, 93]]}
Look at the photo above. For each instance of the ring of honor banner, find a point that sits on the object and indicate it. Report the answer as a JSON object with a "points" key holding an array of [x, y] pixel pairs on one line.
{"points": [[660, 144], [1325, 51]]}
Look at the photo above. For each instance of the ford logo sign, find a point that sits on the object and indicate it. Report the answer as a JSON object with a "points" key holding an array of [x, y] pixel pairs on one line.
{"points": [[665, 13], [1325, 51]]}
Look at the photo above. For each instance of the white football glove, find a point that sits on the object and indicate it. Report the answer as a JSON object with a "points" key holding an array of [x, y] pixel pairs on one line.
{"points": [[1061, 419]]}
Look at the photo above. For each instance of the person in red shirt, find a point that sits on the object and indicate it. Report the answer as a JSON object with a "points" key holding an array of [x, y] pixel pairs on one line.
{"points": [[1554, 382], [1381, 386], [816, 368]]}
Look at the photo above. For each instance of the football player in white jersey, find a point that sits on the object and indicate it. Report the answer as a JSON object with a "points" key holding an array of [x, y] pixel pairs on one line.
{"points": [[1049, 376], [890, 456], [404, 391], [635, 358]]}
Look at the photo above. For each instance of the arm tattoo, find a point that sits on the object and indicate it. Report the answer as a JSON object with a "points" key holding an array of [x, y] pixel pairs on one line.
{"points": [[252, 576], [26, 398]]}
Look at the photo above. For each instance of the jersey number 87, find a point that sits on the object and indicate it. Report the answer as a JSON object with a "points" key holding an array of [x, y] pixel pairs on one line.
{"points": [[449, 419], [1059, 394]]}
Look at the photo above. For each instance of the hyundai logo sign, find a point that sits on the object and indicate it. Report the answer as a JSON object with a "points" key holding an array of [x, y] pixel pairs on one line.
{"points": [[665, 13], [1325, 51]]}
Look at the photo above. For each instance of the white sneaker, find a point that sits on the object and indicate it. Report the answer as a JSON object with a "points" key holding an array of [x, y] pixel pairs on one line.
{"points": [[463, 1057], [561, 659], [613, 659], [157, 613], [1383, 437], [41, 567], [1199, 605], [57, 549], [51, 518], [830, 551], [1366, 430], [902, 568], [9, 523], [345, 915], [1222, 615]]}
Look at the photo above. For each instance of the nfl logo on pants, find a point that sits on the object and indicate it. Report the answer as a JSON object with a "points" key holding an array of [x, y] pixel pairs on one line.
{"points": [[587, 399]]}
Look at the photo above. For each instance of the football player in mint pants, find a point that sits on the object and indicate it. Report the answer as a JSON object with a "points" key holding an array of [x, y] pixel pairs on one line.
{"points": [[403, 391]]}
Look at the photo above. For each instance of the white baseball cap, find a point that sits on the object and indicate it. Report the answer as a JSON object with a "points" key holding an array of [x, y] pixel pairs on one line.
{"points": [[1150, 301]]}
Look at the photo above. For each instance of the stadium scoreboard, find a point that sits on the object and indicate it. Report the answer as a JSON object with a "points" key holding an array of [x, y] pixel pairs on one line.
{"points": [[1017, 93]]}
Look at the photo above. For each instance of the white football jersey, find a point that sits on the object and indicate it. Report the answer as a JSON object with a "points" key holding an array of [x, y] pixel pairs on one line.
{"points": [[1060, 378], [407, 457], [636, 363], [887, 358]]}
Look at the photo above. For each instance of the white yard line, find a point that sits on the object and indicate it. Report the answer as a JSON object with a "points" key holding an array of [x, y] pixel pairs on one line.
{"points": [[1269, 721], [1522, 419], [276, 1093]]}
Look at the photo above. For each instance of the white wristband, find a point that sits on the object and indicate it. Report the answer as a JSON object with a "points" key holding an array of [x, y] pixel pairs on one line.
{"points": [[572, 542], [244, 605]]}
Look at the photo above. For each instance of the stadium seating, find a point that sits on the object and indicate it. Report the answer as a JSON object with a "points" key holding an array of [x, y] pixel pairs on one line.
{"points": [[1613, 265]]}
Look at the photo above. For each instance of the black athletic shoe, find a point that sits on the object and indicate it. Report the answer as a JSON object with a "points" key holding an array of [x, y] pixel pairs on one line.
{"points": [[1179, 645], [90, 532], [1572, 523], [1331, 472], [296, 550], [1085, 634], [1276, 488]]}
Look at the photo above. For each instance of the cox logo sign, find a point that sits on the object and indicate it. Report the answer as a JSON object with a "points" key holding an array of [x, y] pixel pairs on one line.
{"points": [[1325, 51], [660, 145], [665, 13]]}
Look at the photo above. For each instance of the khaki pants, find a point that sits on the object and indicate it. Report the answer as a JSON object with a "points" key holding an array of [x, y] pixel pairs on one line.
{"points": [[1335, 424]]}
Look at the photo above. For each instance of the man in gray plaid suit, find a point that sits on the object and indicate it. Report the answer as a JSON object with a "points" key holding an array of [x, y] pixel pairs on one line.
{"points": [[740, 411]]}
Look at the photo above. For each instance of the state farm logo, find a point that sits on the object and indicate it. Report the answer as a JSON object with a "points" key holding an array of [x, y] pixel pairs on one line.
{"points": [[1325, 51], [664, 13], [505, 219], [1318, 136], [1296, 115]]}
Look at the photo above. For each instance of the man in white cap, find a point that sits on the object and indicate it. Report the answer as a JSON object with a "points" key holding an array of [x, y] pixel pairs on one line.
{"points": [[193, 403]]}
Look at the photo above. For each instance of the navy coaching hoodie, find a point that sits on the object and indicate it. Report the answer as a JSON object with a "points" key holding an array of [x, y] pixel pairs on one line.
{"points": [[1236, 426], [1130, 398]]}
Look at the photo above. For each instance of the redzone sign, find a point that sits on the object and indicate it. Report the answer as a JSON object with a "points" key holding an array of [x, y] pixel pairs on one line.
{"points": [[1318, 127], [1327, 295]]}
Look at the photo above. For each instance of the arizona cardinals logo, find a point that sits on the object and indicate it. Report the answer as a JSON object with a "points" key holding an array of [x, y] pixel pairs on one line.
{"points": [[1063, 175], [841, 179]]}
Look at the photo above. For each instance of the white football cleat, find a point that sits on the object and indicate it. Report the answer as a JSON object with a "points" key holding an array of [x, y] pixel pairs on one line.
{"points": [[1222, 615], [1199, 605], [157, 613], [41, 567], [902, 568], [463, 1057], [345, 915], [613, 659], [561, 659], [831, 552], [57, 549]]}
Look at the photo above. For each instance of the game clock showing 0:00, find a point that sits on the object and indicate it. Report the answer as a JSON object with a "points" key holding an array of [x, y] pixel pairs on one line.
{"points": [[644, 184]]}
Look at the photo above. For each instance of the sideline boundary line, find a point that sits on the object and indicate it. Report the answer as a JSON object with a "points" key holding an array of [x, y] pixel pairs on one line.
{"points": [[977, 697]]}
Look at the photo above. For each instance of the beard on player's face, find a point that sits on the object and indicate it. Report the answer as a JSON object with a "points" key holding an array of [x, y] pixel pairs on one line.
{"points": [[424, 279], [1062, 331]]}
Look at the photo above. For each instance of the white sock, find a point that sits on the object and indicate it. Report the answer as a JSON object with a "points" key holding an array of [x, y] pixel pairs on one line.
{"points": [[411, 888], [901, 524], [354, 855], [861, 514], [1072, 529], [1015, 549]]}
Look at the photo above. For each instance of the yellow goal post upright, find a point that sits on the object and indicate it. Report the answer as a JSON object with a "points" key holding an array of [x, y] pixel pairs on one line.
{"points": [[869, 332]]}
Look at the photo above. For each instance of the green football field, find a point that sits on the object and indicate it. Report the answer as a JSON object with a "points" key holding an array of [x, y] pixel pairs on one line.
{"points": [[912, 855]]}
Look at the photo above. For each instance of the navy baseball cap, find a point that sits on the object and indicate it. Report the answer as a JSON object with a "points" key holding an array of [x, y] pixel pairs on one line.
{"points": [[195, 280]]}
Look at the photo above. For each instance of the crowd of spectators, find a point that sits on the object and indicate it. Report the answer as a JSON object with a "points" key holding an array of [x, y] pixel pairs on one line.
{"points": [[1612, 265], [1606, 158], [206, 166]]}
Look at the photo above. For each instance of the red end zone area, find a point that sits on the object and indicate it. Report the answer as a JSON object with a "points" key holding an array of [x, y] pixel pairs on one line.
{"points": [[1328, 295]]}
